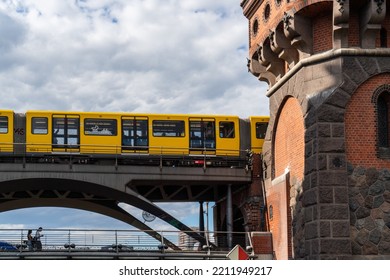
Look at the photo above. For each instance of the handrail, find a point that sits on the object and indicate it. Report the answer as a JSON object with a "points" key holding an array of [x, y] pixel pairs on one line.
{"points": [[117, 241], [121, 147], [166, 155]]}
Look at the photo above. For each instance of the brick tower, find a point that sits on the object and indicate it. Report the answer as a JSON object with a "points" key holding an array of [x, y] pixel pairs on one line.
{"points": [[327, 153]]}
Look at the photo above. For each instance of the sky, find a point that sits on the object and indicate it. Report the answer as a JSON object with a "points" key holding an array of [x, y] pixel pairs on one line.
{"points": [[149, 56]]}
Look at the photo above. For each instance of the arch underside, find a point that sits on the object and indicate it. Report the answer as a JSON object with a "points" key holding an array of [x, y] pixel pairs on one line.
{"points": [[24, 193]]}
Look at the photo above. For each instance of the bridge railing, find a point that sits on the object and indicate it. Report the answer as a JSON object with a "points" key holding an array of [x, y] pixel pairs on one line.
{"points": [[158, 155], [119, 240], [109, 149]]}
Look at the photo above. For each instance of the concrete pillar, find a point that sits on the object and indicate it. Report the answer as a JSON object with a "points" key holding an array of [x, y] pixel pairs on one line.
{"points": [[201, 218], [229, 217]]}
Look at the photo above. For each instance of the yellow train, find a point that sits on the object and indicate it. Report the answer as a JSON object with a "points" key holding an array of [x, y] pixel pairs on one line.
{"points": [[130, 138]]}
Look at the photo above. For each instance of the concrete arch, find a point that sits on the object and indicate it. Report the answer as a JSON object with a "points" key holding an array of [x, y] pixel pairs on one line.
{"points": [[108, 209], [27, 192]]}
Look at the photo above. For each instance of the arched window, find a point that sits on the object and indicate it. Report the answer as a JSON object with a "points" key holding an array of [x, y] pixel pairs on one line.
{"points": [[383, 37], [383, 119], [381, 98]]}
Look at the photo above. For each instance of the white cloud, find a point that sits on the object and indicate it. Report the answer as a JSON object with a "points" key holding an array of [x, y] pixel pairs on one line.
{"points": [[175, 56], [128, 56], [11, 226]]}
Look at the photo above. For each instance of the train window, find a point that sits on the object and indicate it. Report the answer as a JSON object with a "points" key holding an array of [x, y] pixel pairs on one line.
{"points": [[226, 130], [66, 131], [39, 125], [261, 129], [202, 134], [135, 134], [105, 127], [3, 125], [168, 128]]}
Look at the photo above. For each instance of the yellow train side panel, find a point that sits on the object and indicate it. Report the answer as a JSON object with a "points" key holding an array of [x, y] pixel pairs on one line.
{"points": [[259, 126], [6, 131], [227, 143], [42, 142], [100, 133], [168, 145]]}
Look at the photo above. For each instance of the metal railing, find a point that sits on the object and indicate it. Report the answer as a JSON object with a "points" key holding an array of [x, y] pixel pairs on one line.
{"points": [[158, 155], [136, 243]]}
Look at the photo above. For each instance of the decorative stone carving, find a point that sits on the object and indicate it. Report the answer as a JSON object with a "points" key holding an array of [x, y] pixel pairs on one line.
{"points": [[298, 30], [281, 46], [341, 24], [287, 20], [371, 20], [379, 4], [271, 37], [260, 71], [341, 3], [270, 60]]}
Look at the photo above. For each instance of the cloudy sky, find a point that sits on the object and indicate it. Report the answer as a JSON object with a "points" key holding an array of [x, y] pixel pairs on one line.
{"points": [[172, 56]]}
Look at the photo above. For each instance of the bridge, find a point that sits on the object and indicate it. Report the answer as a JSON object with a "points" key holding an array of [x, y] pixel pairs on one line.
{"points": [[100, 188]]}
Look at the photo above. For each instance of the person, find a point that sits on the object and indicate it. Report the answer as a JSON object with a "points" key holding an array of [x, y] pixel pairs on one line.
{"points": [[37, 238], [29, 240]]}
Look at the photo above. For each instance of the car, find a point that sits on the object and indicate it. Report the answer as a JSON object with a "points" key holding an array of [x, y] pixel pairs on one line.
{"points": [[5, 246]]}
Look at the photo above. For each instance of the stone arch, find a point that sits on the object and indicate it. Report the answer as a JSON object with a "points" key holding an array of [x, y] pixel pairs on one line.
{"points": [[31, 192]]}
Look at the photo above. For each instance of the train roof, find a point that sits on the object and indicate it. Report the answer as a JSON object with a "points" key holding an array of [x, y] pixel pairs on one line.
{"points": [[264, 118], [127, 114], [61, 112]]}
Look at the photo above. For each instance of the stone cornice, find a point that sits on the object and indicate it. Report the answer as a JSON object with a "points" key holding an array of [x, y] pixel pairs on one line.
{"points": [[325, 56]]}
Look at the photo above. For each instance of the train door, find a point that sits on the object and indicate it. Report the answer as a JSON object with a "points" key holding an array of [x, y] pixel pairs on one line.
{"points": [[6, 131], [259, 127], [202, 136], [66, 133], [135, 135]]}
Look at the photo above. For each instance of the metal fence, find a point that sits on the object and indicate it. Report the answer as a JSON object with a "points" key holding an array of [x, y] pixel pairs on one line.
{"points": [[119, 241]]}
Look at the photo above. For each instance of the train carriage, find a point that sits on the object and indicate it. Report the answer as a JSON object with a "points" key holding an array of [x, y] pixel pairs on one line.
{"points": [[100, 133], [259, 125], [52, 132], [132, 138], [168, 135], [6, 131]]}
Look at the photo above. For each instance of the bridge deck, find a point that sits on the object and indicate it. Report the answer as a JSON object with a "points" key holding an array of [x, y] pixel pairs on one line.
{"points": [[140, 255]]}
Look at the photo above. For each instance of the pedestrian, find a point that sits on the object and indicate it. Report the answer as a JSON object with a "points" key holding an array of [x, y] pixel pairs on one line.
{"points": [[37, 238], [29, 240]]}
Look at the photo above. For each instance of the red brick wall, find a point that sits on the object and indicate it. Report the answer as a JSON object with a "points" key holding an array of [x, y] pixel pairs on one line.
{"points": [[354, 30], [276, 16], [262, 242], [386, 25], [322, 33], [278, 198], [360, 125], [289, 143]]}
